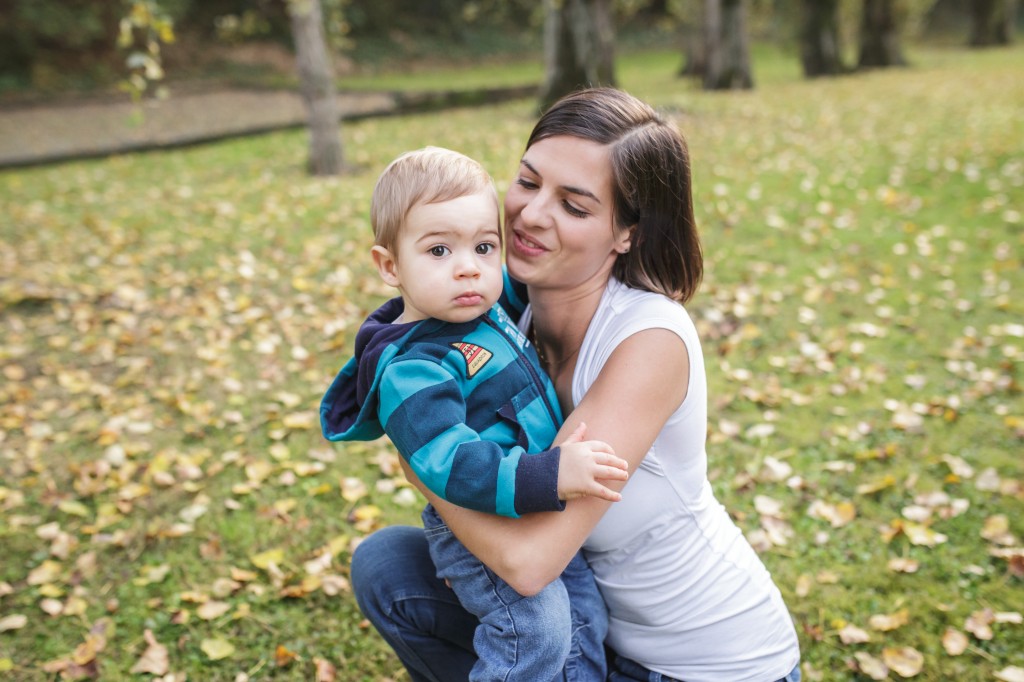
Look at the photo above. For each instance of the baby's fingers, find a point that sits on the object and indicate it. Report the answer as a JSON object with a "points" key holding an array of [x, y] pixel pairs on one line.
{"points": [[609, 459], [604, 493], [611, 473]]}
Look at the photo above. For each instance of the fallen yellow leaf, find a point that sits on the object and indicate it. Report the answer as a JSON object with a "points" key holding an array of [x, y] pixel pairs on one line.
{"points": [[263, 560], [300, 420], [73, 507], [46, 572], [217, 649], [152, 574]]}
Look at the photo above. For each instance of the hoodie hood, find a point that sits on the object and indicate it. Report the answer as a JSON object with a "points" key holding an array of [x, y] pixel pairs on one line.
{"points": [[348, 410]]}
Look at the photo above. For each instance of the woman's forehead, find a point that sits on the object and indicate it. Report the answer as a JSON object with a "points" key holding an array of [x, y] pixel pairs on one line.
{"points": [[573, 162]]}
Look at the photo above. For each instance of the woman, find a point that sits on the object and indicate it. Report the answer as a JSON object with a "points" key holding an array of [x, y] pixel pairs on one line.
{"points": [[599, 227]]}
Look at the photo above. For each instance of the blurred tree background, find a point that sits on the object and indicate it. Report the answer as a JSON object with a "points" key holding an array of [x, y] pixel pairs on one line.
{"points": [[49, 46]]}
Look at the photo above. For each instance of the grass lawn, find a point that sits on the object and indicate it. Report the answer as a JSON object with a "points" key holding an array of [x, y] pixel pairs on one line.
{"points": [[169, 321]]}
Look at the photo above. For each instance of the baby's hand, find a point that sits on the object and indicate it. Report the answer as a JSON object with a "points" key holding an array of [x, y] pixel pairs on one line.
{"points": [[583, 464]]}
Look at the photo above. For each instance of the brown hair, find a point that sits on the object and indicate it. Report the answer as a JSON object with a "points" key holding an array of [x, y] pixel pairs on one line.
{"points": [[651, 186], [424, 176]]}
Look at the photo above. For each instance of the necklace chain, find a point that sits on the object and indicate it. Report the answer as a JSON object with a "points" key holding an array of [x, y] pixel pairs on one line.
{"points": [[554, 367]]}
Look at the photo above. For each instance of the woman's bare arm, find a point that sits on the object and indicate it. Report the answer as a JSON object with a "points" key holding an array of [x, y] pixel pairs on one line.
{"points": [[640, 386]]}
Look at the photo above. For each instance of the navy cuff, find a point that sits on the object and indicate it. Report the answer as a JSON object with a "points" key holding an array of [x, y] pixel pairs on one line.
{"points": [[537, 482]]}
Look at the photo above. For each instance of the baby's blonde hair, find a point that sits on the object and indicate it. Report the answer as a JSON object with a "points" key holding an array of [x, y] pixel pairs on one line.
{"points": [[424, 176]]}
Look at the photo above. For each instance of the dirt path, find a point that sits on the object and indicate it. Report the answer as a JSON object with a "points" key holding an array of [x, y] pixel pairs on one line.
{"points": [[41, 133]]}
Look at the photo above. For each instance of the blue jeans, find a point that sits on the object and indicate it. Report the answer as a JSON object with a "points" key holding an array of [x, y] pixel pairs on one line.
{"points": [[622, 669], [433, 634]]}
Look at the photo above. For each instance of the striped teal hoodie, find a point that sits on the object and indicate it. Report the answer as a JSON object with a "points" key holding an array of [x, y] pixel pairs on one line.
{"points": [[466, 404]]}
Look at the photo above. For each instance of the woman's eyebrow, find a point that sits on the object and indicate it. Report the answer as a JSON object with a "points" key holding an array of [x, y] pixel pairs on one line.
{"points": [[568, 188]]}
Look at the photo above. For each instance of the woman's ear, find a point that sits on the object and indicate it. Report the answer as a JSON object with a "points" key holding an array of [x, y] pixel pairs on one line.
{"points": [[624, 240], [387, 265]]}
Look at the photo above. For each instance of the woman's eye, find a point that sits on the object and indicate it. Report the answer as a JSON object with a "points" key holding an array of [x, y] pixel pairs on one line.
{"points": [[438, 251], [526, 184], [573, 211], [485, 248]]}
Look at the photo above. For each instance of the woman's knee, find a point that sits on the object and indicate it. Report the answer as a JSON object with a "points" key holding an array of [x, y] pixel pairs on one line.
{"points": [[380, 564]]}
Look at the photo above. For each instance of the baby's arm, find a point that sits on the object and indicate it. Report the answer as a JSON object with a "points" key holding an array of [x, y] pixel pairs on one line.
{"points": [[584, 464], [423, 411]]}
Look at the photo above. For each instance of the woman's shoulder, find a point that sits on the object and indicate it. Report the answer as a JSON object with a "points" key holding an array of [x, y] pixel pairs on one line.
{"points": [[623, 303], [624, 311]]}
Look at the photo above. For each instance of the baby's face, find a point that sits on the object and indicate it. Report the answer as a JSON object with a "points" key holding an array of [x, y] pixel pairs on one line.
{"points": [[449, 259]]}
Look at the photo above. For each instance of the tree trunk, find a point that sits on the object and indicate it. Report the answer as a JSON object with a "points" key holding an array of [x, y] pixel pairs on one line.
{"points": [[694, 51], [819, 38], [1007, 23], [317, 84], [579, 47], [879, 36], [992, 22], [727, 61]]}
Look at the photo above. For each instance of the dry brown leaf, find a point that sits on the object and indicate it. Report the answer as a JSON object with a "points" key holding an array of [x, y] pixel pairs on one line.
{"points": [[803, 585], [52, 607], [905, 661], [223, 587], [903, 565], [154, 659], [891, 621], [979, 624], [1011, 674], [826, 577], [871, 666], [213, 609], [954, 642], [353, 489], [283, 656], [997, 530], [851, 634], [46, 572], [325, 670], [15, 621], [334, 584]]}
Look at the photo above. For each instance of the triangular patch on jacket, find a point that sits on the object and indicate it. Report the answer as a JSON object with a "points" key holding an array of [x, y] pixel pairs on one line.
{"points": [[476, 357]]}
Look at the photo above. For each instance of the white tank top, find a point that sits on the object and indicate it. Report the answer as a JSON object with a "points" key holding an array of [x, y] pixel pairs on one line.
{"points": [[687, 595]]}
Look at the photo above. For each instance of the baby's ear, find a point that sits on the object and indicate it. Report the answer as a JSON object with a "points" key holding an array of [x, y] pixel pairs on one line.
{"points": [[386, 264]]}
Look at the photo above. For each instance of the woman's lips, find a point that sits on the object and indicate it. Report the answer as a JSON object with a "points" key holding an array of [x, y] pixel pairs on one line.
{"points": [[527, 246]]}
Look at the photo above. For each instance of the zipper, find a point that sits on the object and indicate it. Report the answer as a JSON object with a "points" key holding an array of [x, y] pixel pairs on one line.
{"points": [[538, 382]]}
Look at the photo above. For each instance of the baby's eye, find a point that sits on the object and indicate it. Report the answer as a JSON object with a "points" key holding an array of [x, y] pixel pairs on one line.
{"points": [[438, 251], [485, 248]]}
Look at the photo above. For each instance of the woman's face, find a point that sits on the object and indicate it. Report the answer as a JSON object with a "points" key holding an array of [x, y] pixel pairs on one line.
{"points": [[559, 218]]}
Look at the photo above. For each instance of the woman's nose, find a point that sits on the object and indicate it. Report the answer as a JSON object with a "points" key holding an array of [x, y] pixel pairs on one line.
{"points": [[535, 212]]}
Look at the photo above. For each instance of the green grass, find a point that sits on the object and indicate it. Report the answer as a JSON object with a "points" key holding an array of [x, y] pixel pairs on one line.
{"points": [[170, 320]]}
